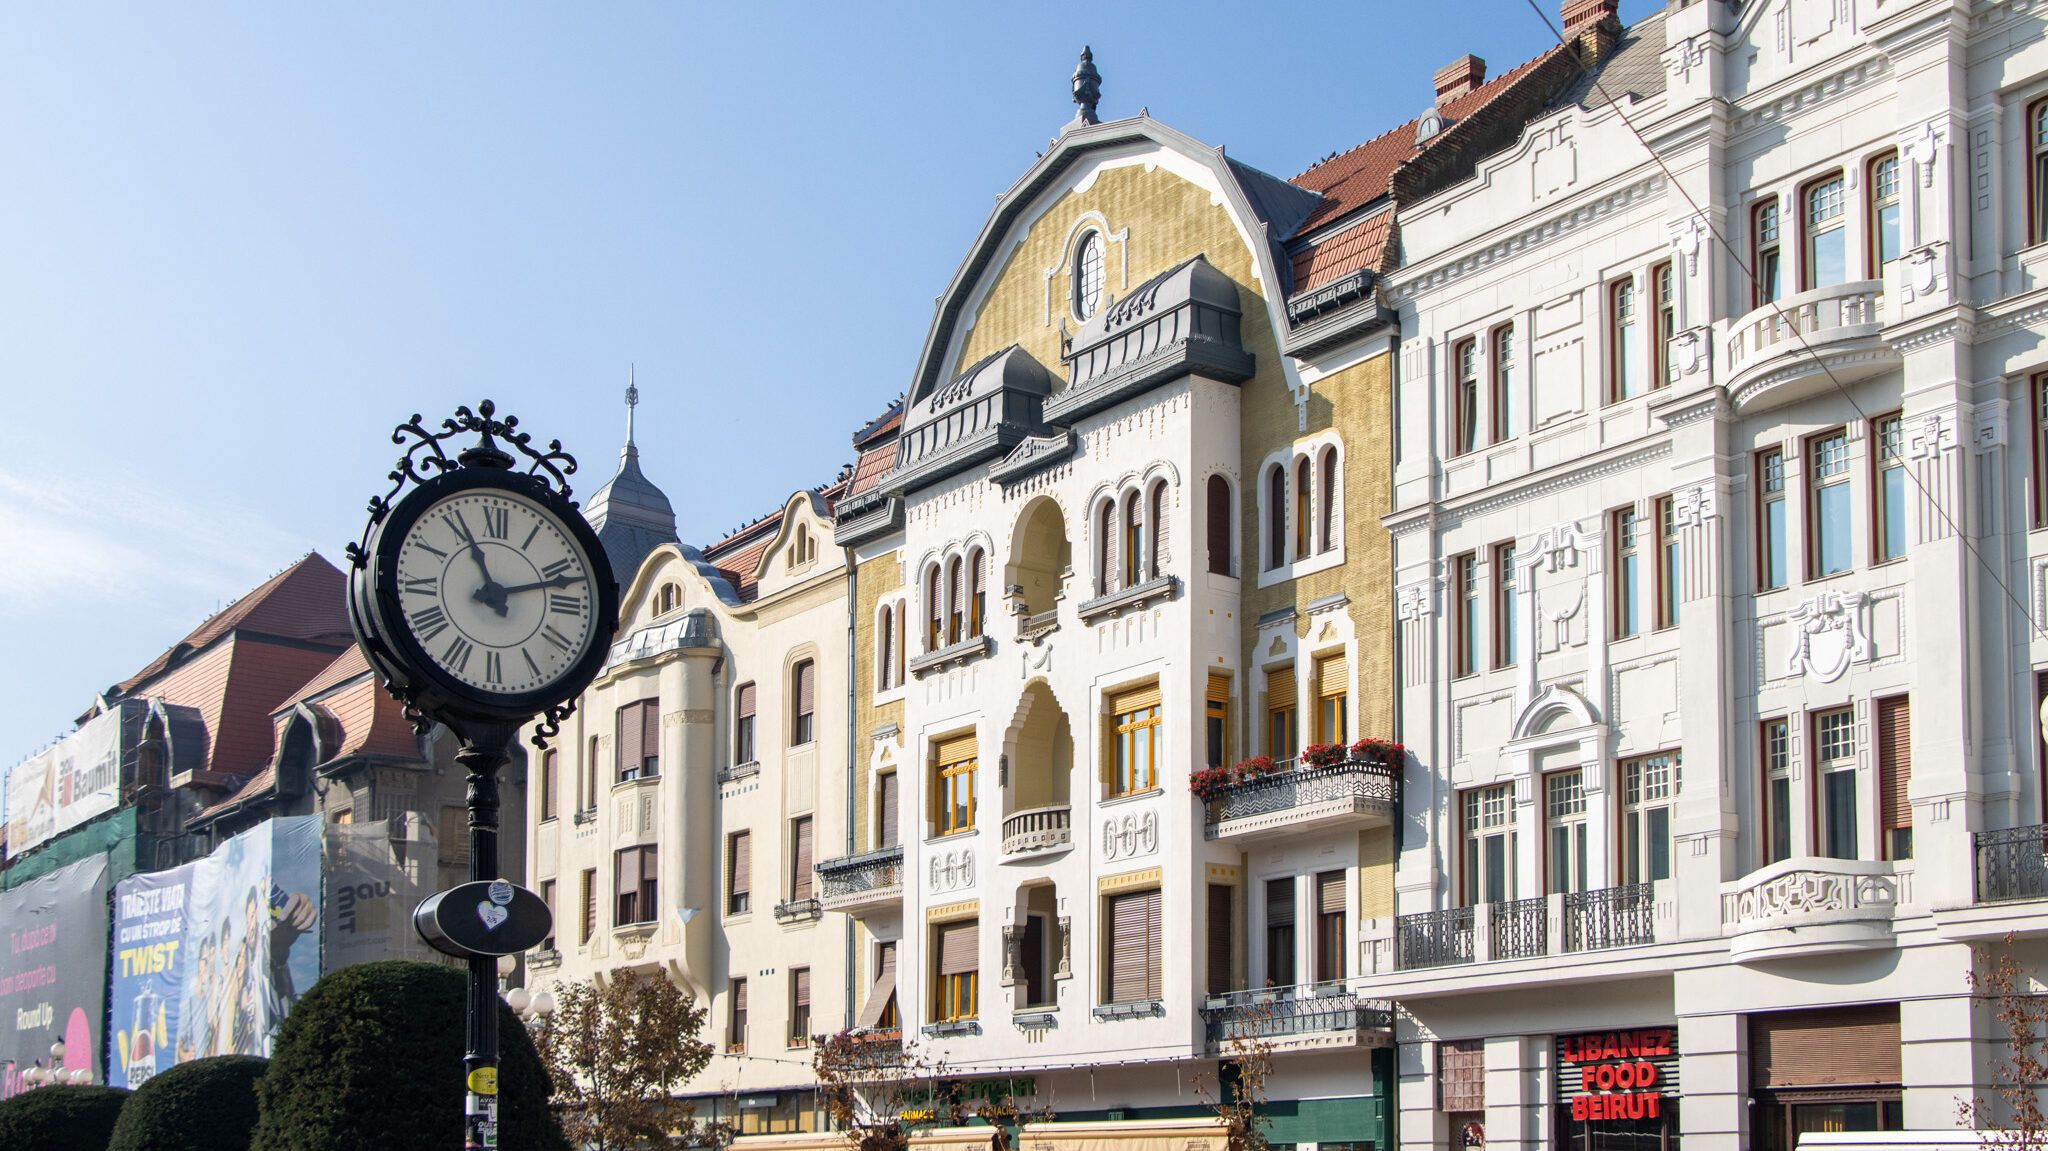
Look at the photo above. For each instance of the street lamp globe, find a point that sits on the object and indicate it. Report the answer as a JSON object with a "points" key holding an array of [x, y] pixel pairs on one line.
{"points": [[544, 1004], [517, 999], [57, 1051]]}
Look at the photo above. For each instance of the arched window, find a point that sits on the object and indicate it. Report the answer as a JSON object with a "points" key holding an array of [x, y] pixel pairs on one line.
{"points": [[1301, 507], [1155, 552], [804, 689], [1088, 275], [934, 608], [954, 604], [1219, 525], [977, 604], [1276, 517], [1105, 571], [902, 640], [1134, 541], [885, 644], [1326, 519]]}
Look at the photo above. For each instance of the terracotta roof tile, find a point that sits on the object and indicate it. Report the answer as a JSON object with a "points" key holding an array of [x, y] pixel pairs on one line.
{"points": [[873, 465], [889, 421], [306, 601], [1364, 246], [372, 723]]}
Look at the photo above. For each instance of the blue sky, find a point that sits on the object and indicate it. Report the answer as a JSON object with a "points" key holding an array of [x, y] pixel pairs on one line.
{"points": [[240, 241]]}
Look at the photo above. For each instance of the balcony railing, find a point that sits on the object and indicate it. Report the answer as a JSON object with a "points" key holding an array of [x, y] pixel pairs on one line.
{"points": [[1622, 916], [1764, 347], [1038, 829], [1315, 1009], [1521, 929], [799, 911], [872, 877], [1810, 905], [1286, 799], [1433, 938], [2012, 863]]}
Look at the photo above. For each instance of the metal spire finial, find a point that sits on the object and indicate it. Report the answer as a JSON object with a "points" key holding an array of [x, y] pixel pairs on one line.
{"points": [[632, 400], [1087, 87]]}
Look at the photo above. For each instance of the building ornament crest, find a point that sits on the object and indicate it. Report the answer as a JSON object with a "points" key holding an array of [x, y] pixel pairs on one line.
{"points": [[1415, 600], [1130, 836], [1931, 435], [1829, 635], [951, 870], [1557, 547], [1692, 507]]}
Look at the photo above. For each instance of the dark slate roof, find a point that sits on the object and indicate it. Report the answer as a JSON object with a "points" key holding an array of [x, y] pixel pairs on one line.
{"points": [[631, 516], [1633, 67]]}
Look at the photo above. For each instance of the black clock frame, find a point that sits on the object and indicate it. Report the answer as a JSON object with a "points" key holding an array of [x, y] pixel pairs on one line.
{"points": [[379, 617]]}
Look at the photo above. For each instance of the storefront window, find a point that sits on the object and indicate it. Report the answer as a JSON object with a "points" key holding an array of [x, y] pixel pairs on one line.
{"points": [[1617, 1090]]}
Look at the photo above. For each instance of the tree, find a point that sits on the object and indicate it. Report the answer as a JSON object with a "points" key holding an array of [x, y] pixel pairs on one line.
{"points": [[62, 1118], [875, 1092], [1238, 1088], [198, 1106], [371, 1060], [2018, 1074], [618, 1054]]}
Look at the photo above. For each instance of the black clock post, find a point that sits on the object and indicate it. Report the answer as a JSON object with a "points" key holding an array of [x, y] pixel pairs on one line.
{"points": [[484, 601]]}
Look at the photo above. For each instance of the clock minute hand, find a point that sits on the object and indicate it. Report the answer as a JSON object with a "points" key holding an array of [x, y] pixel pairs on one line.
{"points": [[558, 581]]}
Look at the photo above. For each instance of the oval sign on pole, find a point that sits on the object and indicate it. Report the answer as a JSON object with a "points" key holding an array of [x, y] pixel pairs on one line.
{"points": [[483, 917]]}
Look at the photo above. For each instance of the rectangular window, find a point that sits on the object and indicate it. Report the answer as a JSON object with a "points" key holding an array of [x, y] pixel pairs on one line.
{"points": [[888, 802], [1895, 776], [736, 1018], [1222, 935], [547, 896], [2037, 139], [1280, 933], [1330, 935], [1465, 621], [1827, 457], [1827, 244], [1281, 728], [1889, 489], [1766, 261], [1770, 518], [1564, 815], [2040, 399], [547, 784], [589, 906], [1667, 562], [799, 1007], [739, 872], [1489, 820], [638, 870], [1031, 961], [1664, 318], [1465, 398], [1625, 342], [1134, 741], [954, 795], [1777, 750], [800, 877], [957, 947], [637, 736], [590, 762], [1628, 618], [1649, 788], [1503, 382], [806, 685], [743, 725], [1834, 757], [1333, 699], [1216, 721], [1504, 620], [1884, 212], [1136, 947]]}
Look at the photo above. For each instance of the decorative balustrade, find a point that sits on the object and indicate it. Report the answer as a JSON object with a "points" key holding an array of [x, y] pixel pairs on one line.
{"points": [[1810, 319], [1433, 938], [1352, 791], [1622, 916], [2012, 863], [1314, 1009], [1038, 829], [1519, 929], [1810, 905], [873, 877], [799, 911]]}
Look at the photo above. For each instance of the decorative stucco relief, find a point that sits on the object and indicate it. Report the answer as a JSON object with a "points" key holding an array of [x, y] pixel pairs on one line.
{"points": [[1829, 635], [950, 870], [1130, 836]]}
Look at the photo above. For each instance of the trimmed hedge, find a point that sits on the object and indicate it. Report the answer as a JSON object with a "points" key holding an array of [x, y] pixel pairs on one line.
{"points": [[371, 1060], [65, 1118], [204, 1105]]}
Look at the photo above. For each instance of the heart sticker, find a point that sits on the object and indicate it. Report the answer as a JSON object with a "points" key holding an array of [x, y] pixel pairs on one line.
{"points": [[491, 914]]}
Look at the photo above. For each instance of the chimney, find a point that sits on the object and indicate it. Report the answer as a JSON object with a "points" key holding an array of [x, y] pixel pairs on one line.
{"points": [[1459, 78], [1592, 27]]}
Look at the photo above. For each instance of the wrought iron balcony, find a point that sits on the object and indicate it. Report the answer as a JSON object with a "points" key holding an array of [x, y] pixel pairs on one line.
{"points": [[1354, 794], [1622, 916], [1519, 929], [1038, 830], [1433, 938], [2012, 863], [1310, 1016], [1546, 925], [862, 882], [799, 911]]}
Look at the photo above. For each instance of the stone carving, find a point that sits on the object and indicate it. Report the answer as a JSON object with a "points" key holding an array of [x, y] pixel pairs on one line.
{"points": [[1930, 434], [1685, 240], [1692, 349], [1924, 150], [1557, 547], [1803, 893], [1830, 635], [1558, 604], [951, 870], [1990, 427], [1691, 507], [1690, 53], [1065, 970], [1130, 836], [1415, 601]]}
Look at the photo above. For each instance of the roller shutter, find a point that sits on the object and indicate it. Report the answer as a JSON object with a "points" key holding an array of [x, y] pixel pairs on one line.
{"points": [[959, 947], [1842, 1046]]}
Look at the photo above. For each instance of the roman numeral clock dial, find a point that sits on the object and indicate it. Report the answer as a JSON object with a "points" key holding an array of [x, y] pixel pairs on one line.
{"points": [[496, 593]]}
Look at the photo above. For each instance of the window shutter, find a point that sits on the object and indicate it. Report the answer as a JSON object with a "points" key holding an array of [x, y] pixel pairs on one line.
{"points": [[1279, 902], [800, 867], [1219, 688], [1160, 552], [589, 904], [741, 866], [955, 749], [739, 995], [959, 944], [627, 881], [1280, 688], [1894, 762], [801, 991], [953, 602], [1154, 945], [746, 703], [891, 798], [650, 730], [650, 864], [1839, 1047], [1130, 928], [1220, 932], [888, 642], [806, 687], [1134, 699], [1110, 547], [1330, 893], [1333, 675], [980, 563], [882, 992], [936, 607], [1219, 525]]}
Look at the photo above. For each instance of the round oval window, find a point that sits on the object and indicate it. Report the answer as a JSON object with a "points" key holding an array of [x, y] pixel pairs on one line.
{"points": [[1088, 275]]}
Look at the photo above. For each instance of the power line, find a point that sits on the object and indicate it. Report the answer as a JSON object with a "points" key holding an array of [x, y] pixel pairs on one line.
{"points": [[1785, 318]]}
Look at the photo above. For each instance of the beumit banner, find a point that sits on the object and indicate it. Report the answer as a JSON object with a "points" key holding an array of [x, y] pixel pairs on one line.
{"points": [[65, 784], [53, 973]]}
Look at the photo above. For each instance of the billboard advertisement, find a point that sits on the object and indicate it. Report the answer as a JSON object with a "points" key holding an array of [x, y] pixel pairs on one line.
{"points": [[370, 897], [65, 784], [211, 956], [53, 973]]}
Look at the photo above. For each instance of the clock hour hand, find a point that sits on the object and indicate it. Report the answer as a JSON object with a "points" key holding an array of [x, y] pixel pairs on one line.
{"points": [[558, 581], [492, 593]]}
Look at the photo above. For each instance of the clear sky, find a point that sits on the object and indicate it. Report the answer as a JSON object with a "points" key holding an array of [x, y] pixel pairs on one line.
{"points": [[240, 241]]}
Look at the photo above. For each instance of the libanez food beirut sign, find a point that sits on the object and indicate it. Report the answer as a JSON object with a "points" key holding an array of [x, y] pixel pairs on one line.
{"points": [[1606, 1075]]}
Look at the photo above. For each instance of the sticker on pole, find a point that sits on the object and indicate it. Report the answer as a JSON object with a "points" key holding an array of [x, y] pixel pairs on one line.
{"points": [[483, 917], [484, 1081]]}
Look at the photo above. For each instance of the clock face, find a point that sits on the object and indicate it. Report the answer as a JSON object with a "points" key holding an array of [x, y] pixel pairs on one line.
{"points": [[496, 591]]}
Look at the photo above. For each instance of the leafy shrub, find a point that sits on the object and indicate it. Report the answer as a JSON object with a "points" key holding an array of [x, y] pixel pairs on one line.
{"points": [[65, 1118], [371, 1060], [1322, 755], [1254, 767], [204, 1105]]}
